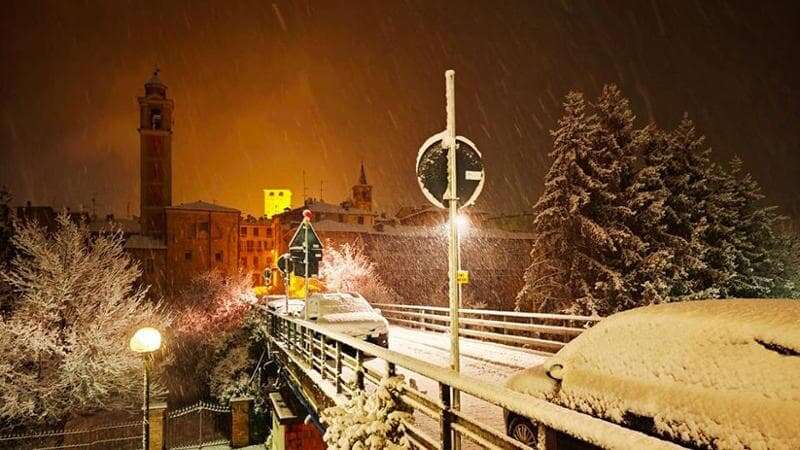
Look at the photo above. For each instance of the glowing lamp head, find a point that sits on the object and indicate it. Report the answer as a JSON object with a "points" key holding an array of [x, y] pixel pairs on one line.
{"points": [[462, 223], [146, 340], [307, 215]]}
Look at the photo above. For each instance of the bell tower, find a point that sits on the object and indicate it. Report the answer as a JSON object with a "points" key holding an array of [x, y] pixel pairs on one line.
{"points": [[362, 192], [155, 138]]}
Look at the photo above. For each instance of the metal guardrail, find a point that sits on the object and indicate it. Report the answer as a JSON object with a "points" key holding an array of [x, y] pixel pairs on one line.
{"points": [[543, 333], [317, 355]]}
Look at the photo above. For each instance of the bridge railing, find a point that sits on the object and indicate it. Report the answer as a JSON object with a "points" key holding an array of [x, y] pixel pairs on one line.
{"points": [[543, 333], [329, 367]]}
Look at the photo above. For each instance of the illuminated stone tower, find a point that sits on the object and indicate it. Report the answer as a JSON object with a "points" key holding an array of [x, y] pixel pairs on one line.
{"points": [[155, 137], [362, 192]]}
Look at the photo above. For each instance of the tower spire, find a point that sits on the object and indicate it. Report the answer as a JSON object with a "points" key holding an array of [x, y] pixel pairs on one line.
{"points": [[363, 178]]}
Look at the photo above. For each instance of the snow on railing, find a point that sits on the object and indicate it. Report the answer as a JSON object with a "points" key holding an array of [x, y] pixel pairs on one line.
{"points": [[320, 354], [8, 441], [199, 406], [544, 333]]}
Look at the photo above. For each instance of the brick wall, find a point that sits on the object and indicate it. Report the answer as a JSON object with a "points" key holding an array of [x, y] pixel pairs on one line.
{"points": [[198, 241]]}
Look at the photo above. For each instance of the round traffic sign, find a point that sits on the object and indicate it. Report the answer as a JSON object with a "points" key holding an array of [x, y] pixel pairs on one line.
{"points": [[285, 263], [432, 170]]}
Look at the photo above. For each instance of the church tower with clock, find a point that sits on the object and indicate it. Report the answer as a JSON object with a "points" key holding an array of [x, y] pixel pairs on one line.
{"points": [[155, 137]]}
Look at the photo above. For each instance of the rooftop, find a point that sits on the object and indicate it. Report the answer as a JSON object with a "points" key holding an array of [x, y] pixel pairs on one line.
{"points": [[203, 206]]}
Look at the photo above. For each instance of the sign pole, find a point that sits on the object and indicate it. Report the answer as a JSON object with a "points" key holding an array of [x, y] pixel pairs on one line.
{"points": [[305, 284], [453, 260]]}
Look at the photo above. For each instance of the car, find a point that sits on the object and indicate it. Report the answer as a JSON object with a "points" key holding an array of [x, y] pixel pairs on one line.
{"points": [[343, 312], [703, 374]]}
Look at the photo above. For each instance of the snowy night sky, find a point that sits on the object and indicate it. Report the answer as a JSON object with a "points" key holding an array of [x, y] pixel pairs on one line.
{"points": [[264, 89]]}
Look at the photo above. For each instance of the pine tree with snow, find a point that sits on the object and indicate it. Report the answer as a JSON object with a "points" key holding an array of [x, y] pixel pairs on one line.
{"points": [[584, 246], [743, 237], [72, 309]]}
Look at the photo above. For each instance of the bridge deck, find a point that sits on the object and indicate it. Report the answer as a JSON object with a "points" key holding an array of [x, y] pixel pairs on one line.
{"points": [[488, 361]]}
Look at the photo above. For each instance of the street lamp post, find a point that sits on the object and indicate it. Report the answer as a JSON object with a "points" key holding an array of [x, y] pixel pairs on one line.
{"points": [[145, 341]]}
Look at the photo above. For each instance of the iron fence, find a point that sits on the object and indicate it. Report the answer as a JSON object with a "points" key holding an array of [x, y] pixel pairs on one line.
{"points": [[200, 425], [119, 436]]}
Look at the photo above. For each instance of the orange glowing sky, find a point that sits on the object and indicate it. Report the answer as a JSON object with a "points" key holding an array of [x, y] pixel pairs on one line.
{"points": [[264, 90]]}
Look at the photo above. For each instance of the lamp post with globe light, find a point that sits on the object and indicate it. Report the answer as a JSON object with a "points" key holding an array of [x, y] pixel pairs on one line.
{"points": [[145, 341]]}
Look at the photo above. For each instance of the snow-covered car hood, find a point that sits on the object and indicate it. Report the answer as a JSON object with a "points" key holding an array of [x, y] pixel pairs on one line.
{"points": [[716, 373]]}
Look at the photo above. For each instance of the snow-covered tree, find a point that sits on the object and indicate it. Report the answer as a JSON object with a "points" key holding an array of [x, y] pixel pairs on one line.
{"points": [[583, 244], [631, 217], [370, 421], [346, 268], [64, 335], [209, 312]]}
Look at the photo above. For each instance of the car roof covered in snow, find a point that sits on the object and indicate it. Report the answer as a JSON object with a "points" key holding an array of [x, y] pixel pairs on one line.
{"points": [[716, 373]]}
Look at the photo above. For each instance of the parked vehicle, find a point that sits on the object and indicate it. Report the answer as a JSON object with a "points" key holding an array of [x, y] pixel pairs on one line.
{"points": [[343, 312], [705, 374]]}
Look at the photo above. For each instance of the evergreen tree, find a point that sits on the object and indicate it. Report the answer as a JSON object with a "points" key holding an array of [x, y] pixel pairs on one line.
{"points": [[581, 236]]}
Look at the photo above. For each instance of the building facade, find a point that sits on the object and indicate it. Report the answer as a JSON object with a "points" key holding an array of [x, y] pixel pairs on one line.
{"points": [[257, 250]]}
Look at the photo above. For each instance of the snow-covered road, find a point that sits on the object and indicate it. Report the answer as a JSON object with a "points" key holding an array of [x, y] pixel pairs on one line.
{"points": [[489, 362]]}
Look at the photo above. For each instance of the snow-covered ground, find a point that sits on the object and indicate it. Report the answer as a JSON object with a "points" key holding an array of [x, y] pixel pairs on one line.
{"points": [[489, 362]]}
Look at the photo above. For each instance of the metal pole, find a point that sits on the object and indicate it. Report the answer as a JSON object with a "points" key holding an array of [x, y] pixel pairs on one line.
{"points": [[305, 284], [146, 407], [453, 259]]}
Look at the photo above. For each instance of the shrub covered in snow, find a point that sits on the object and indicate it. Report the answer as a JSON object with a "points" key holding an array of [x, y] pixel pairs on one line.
{"points": [[71, 307], [370, 421], [347, 268], [210, 314]]}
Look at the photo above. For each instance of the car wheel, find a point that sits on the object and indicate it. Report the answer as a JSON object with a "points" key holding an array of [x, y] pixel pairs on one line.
{"points": [[523, 430]]}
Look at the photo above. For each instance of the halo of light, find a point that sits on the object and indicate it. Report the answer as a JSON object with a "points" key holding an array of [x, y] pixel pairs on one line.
{"points": [[145, 340]]}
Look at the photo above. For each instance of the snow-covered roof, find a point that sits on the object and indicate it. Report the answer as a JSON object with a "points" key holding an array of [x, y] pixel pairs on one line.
{"points": [[322, 207], [415, 231], [714, 373], [203, 206], [138, 241]]}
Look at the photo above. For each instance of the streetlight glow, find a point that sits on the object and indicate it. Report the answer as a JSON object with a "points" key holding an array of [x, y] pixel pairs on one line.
{"points": [[145, 340]]}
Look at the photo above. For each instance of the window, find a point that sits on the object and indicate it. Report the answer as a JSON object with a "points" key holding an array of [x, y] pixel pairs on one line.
{"points": [[249, 246], [258, 245], [361, 220], [201, 229], [242, 231], [155, 119], [187, 255], [255, 262], [255, 231], [269, 232], [243, 262], [218, 257]]}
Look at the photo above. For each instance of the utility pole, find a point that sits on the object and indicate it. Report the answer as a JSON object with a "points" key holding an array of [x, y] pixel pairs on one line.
{"points": [[451, 196]]}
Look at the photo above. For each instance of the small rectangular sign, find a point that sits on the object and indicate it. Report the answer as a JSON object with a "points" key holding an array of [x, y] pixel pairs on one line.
{"points": [[473, 175], [463, 277]]}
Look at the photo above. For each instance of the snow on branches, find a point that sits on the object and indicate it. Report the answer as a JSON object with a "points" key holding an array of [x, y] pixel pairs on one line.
{"points": [[346, 268], [71, 307], [373, 421], [637, 216]]}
